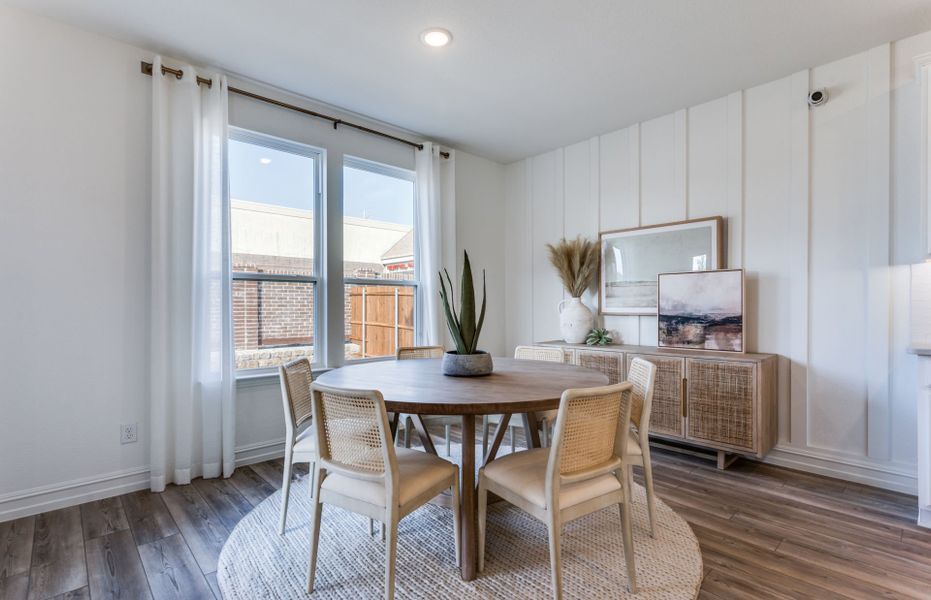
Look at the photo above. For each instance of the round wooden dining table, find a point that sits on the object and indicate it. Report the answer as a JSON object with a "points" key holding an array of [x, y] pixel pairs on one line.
{"points": [[418, 387]]}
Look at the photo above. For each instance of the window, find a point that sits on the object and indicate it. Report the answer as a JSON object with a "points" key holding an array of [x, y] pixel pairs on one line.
{"points": [[275, 193], [379, 259]]}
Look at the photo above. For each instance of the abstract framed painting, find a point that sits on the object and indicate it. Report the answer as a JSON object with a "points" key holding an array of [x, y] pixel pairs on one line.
{"points": [[702, 310], [632, 258]]}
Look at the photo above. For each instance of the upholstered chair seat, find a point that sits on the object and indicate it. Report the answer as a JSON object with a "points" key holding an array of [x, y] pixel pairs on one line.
{"points": [[641, 375], [523, 474], [420, 473], [447, 421], [634, 448], [359, 469], [582, 472], [545, 418]]}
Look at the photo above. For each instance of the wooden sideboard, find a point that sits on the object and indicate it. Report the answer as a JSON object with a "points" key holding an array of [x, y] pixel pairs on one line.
{"points": [[724, 402]]}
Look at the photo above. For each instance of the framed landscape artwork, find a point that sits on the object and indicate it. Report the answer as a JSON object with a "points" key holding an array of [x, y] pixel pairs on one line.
{"points": [[632, 258], [702, 310]]}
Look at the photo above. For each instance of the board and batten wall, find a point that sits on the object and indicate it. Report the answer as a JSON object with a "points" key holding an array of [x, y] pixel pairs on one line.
{"points": [[822, 211]]}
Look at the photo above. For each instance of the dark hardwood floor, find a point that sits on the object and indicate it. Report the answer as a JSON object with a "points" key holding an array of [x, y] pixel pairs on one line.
{"points": [[765, 533]]}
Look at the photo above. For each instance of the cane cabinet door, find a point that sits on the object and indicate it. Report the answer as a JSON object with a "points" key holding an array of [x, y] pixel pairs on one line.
{"points": [[609, 362], [722, 403], [666, 417]]}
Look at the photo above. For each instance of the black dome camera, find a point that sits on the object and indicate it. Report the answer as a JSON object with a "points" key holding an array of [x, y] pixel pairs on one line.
{"points": [[817, 97]]}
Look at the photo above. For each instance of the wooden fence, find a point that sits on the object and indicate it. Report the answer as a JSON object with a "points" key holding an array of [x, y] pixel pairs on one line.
{"points": [[381, 318]]}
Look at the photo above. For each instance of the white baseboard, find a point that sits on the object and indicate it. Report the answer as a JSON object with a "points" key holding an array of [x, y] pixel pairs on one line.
{"points": [[899, 478], [260, 452], [924, 516], [78, 491], [69, 493]]}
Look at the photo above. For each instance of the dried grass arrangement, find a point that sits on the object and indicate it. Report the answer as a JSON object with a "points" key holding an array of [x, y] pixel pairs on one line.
{"points": [[576, 262]]}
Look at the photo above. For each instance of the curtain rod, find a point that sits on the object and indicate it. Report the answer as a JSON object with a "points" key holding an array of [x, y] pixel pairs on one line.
{"points": [[147, 70]]}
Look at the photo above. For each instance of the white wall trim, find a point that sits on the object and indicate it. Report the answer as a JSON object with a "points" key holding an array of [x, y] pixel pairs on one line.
{"points": [[681, 158], [898, 477], [921, 61], [735, 180], [32, 501], [922, 66], [636, 171], [259, 452], [879, 277], [69, 493], [800, 230]]}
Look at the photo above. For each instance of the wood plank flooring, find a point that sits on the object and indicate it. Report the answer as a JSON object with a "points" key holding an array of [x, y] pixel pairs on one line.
{"points": [[766, 533]]}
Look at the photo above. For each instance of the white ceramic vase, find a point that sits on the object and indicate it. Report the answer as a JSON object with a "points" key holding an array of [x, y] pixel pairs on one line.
{"points": [[575, 320]]}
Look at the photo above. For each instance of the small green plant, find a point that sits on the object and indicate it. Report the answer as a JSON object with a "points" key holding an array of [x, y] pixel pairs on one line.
{"points": [[598, 337], [463, 327]]}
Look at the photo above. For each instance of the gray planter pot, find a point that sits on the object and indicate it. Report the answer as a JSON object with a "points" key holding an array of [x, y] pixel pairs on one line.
{"points": [[467, 365]]}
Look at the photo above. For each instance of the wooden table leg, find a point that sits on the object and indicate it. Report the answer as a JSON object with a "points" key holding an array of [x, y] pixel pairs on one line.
{"points": [[395, 421], [496, 441], [531, 430], [469, 553], [424, 434]]}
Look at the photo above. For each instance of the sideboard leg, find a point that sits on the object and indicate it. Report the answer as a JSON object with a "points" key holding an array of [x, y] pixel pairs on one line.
{"points": [[725, 460]]}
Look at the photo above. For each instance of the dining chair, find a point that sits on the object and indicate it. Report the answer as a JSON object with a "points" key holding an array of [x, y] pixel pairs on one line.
{"points": [[447, 421], [642, 376], [578, 475], [360, 470], [296, 378], [544, 418]]}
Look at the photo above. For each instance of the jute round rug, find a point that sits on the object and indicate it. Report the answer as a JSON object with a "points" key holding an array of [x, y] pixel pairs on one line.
{"points": [[258, 563]]}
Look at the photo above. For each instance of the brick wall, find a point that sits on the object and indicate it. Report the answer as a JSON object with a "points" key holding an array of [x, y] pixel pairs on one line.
{"points": [[276, 314]]}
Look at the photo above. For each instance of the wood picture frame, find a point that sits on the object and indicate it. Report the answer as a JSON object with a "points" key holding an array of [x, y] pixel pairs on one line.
{"points": [[706, 312], [632, 258]]}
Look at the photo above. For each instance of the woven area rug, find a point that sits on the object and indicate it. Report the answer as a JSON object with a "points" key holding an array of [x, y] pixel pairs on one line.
{"points": [[258, 563]]}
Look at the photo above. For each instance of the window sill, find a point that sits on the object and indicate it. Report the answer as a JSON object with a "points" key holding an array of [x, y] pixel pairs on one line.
{"points": [[263, 377]]}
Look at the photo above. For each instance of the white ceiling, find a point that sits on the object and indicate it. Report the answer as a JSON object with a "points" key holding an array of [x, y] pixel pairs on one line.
{"points": [[521, 76]]}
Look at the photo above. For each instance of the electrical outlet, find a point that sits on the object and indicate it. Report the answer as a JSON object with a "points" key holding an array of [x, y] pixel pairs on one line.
{"points": [[128, 433]]}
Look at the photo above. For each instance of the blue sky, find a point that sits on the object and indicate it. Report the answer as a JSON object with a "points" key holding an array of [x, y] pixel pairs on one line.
{"points": [[270, 176]]}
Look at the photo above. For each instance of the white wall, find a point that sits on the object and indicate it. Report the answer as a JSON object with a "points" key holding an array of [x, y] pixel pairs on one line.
{"points": [[74, 167], [481, 230], [823, 213]]}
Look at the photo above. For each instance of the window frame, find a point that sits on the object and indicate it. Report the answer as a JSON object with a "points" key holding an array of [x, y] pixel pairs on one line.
{"points": [[371, 166], [318, 155]]}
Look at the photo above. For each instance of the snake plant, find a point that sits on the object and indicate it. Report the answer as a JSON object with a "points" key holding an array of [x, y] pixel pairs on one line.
{"points": [[463, 327]]}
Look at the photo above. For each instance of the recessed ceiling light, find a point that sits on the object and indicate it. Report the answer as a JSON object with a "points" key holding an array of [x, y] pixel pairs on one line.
{"points": [[436, 37], [265, 161]]}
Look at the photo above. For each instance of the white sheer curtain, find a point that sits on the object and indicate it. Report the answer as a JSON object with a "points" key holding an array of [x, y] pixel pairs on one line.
{"points": [[436, 214], [191, 363]]}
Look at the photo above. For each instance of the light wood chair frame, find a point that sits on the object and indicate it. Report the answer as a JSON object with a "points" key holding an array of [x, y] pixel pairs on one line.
{"points": [[641, 374], [389, 476], [447, 421], [294, 377], [544, 418], [552, 515]]}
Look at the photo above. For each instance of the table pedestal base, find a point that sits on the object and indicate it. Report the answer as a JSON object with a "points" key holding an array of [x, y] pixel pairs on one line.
{"points": [[469, 550]]}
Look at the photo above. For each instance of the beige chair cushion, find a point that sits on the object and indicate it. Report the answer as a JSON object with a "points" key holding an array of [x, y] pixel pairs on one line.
{"points": [[524, 473], [517, 421], [418, 472], [306, 441], [549, 415], [633, 444]]}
